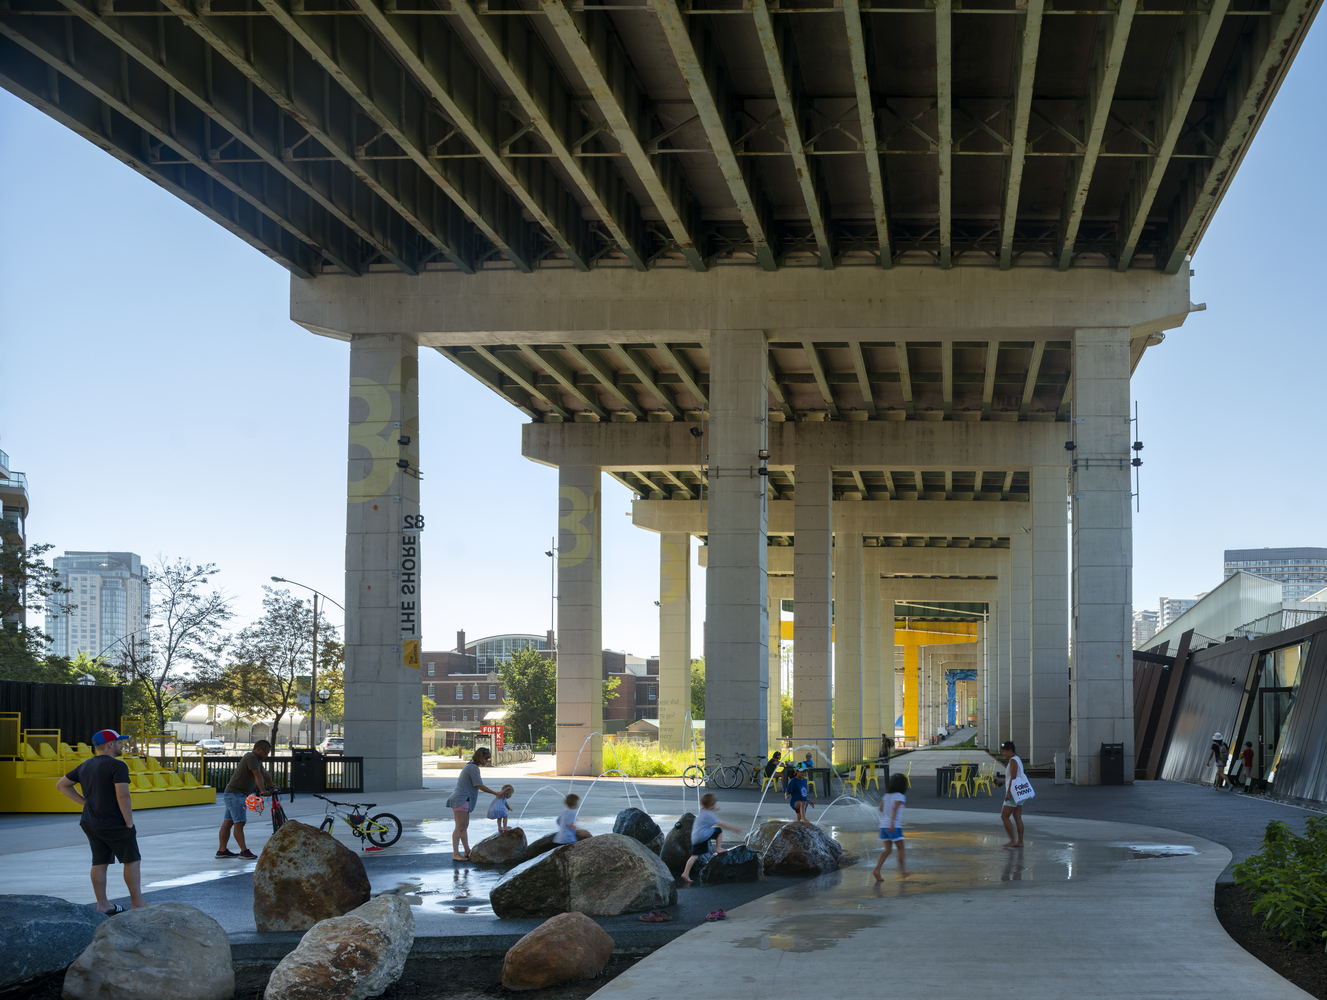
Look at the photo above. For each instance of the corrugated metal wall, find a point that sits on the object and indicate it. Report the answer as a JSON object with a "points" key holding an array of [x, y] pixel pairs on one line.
{"points": [[1208, 703], [76, 710], [1301, 775]]}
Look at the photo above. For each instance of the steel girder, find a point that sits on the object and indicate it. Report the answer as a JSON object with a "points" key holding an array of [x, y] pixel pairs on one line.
{"points": [[1025, 74], [109, 125], [518, 57], [476, 367], [786, 79], [612, 84], [944, 109], [639, 365], [1108, 57], [859, 52], [435, 56], [1261, 63], [180, 58], [399, 109], [697, 54], [1188, 61], [288, 76]]}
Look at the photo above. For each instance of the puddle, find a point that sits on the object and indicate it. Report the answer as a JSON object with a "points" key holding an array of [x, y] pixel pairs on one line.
{"points": [[453, 890], [811, 933], [198, 877], [1139, 851]]}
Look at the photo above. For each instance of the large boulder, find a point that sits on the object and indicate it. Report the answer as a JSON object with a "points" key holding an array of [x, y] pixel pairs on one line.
{"points": [[800, 849], [602, 877], [42, 934], [166, 951], [760, 839], [350, 957], [637, 824], [541, 846], [303, 876], [565, 947], [677, 845], [741, 864], [500, 849]]}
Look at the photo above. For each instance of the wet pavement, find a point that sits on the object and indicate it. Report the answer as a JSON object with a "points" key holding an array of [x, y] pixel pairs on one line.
{"points": [[1085, 909]]}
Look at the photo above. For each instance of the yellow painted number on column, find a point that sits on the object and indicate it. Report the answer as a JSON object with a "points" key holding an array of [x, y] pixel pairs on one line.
{"points": [[573, 522]]}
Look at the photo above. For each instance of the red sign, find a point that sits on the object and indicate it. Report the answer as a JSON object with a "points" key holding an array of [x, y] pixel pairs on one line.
{"points": [[496, 733]]}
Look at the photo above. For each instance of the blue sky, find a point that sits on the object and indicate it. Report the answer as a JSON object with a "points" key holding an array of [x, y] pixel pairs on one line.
{"points": [[161, 401]]}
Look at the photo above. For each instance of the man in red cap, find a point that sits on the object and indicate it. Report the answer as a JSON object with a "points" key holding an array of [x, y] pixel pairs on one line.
{"points": [[108, 816]]}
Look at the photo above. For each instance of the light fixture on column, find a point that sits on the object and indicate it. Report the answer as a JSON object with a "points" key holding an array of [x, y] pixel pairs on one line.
{"points": [[696, 432]]}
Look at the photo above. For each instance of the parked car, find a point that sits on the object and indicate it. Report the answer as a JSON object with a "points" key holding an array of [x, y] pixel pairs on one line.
{"points": [[333, 744], [211, 746]]}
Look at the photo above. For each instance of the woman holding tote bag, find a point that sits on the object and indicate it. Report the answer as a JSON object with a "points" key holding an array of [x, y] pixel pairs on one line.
{"points": [[1017, 791]]}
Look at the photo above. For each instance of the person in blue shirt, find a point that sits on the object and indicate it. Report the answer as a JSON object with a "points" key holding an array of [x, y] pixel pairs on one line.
{"points": [[798, 793]]}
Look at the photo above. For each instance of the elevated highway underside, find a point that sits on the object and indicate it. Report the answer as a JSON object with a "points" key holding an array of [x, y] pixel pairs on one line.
{"points": [[851, 291]]}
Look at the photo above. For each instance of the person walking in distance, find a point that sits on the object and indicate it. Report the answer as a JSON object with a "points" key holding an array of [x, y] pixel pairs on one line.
{"points": [[463, 800], [248, 776], [108, 817], [1011, 811], [1246, 766], [1217, 754]]}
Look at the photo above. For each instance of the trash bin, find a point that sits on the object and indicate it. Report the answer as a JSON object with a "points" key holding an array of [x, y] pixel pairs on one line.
{"points": [[1112, 763], [307, 773], [882, 769]]}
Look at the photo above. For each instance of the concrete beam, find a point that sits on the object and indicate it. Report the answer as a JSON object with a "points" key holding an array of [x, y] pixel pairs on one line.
{"points": [[447, 309], [865, 445], [881, 517], [889, 561]]}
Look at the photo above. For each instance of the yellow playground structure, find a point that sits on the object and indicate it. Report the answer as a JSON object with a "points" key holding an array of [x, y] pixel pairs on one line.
{"points": [[32, 760]]}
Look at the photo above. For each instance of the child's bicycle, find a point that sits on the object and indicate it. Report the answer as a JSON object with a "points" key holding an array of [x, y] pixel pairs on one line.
{"points": [[382, 830]]}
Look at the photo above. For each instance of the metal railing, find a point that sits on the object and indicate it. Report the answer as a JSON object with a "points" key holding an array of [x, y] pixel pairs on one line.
{"points": [[340, 774]]}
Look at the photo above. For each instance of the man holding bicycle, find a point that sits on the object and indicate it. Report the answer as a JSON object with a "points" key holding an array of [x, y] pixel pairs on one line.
{"points": [[249, 774]]}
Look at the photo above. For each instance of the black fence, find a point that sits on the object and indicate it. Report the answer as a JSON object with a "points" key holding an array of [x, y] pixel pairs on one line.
{"points": [[77, 710], [332, 774]]}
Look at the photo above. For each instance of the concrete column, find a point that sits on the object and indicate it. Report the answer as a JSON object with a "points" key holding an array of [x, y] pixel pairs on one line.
{"points": [[891, 677], [1001, 706], [736, 616], [847, 646], [773, 705], [674, 639], [383, 691], [813, 556], [580, 705], [1101, 690], [872, 727], [1050, 615], [1020, 660], [981, 680]]}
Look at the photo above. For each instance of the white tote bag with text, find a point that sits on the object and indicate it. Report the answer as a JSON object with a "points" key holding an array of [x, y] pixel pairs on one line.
{"points": [[1020, 790]]}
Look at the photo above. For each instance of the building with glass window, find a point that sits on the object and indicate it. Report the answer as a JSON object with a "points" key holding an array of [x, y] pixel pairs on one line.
{"points": [[110, 601], [14, 510], [1303, 571], [1145, 624]]}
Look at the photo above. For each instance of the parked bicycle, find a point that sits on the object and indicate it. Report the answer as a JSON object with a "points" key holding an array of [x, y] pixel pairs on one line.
{"points": [[720, 775], [382, 830]]}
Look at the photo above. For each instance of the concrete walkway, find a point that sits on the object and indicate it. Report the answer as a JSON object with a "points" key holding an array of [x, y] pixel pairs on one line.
{"points": [[1089, 910]]}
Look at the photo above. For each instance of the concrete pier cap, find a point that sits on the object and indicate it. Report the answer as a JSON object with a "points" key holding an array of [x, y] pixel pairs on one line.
{"points": [[589, 418]]}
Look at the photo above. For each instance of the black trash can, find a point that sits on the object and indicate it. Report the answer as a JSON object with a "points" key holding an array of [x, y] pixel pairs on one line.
{"points": [[307, 773], [1112, 763]]}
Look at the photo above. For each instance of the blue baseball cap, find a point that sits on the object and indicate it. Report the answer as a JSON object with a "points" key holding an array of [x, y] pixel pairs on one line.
{"points": [[105, 736]]}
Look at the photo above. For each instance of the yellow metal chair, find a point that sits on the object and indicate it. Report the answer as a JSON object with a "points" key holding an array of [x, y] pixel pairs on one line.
{"points": [[175, 780], [135, 764], [907, 775], [141, 783], [855, 782], [159, 779], [189, 780], [873, 774], [960, 781], [984, 779], [770, 779]]}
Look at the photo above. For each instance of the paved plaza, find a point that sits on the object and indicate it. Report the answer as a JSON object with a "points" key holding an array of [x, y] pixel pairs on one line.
{"points": [[1112, 894]]}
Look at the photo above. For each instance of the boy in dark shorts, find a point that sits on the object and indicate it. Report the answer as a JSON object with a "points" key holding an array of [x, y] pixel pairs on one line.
{"points": [[704, 828], [108, 816]]}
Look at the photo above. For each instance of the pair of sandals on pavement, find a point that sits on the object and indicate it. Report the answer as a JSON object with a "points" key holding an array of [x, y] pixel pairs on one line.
{"points": [[659, 916]]}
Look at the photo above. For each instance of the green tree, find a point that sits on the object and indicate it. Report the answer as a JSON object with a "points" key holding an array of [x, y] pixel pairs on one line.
{"points": [[530, 681], [610, 689], [332, 679], [786, 715], [27, 587], [429, 705], [698, 689]]}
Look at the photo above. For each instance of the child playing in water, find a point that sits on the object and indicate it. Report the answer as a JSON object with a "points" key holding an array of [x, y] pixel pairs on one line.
{"points": [[798, 794], [892, 804], [706, 825], [568, 831], [498, 808]]}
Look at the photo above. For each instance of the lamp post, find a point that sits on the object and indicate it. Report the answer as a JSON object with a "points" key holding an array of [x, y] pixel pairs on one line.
{"points": [[313, 671], [552, 589]]}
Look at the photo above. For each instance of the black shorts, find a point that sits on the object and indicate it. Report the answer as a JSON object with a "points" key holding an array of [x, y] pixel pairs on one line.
{"points": [[117, 843], [702, 848]]}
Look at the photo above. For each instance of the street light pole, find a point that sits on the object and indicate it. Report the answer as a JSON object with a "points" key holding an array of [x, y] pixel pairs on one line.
{"points": [[552, 588], [313, 675]]}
